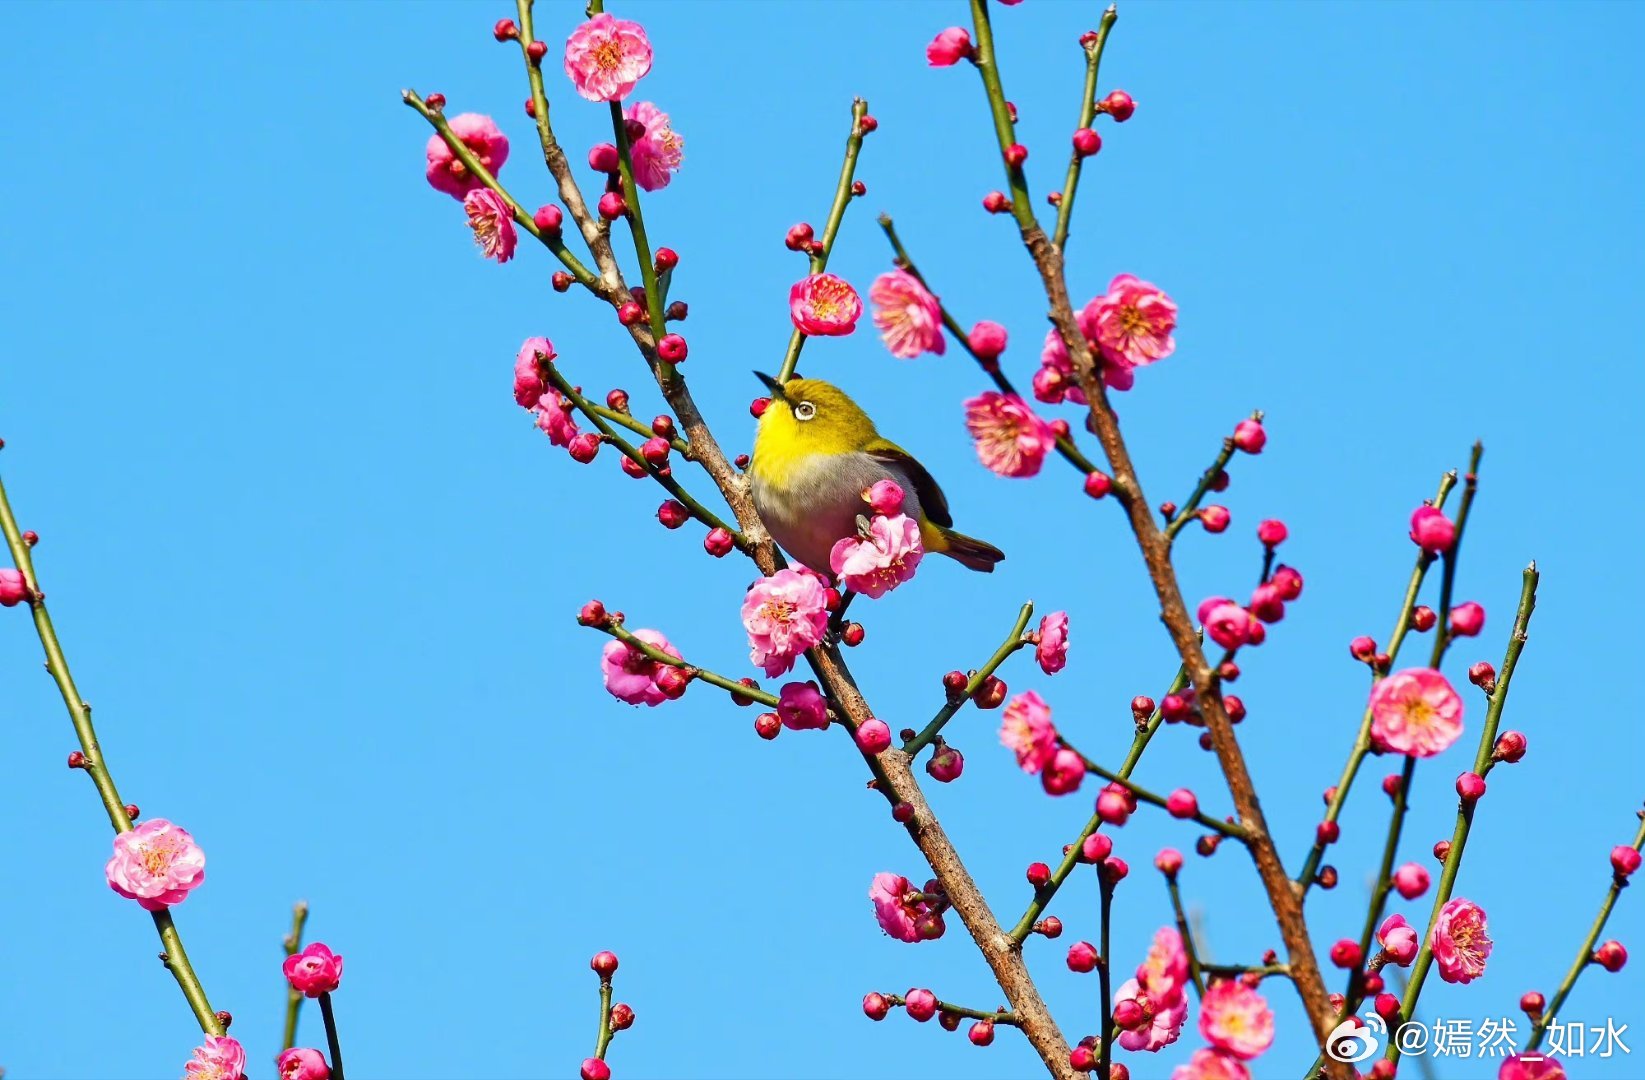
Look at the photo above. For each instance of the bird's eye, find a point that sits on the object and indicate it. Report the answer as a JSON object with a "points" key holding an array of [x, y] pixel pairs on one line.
{"points": [[805, 410]]}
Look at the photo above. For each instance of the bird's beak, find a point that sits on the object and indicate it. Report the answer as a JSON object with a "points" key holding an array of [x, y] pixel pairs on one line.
{"points": [[773, 385]]}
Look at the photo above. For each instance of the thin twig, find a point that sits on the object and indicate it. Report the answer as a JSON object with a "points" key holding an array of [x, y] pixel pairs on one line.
{"points": [[1013, 641], [294, 998]]}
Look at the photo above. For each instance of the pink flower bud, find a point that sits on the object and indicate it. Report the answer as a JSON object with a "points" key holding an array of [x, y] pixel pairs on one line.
{"points": [[802, 707], [884, 498], [1015, 155], [987, 340], [13, 589], [799, 237], [547, 219], [1442, 850], [30, 537], [1346, 954], [995, 202], [671, 347], [1288, 581], [1471, 787], [1372, 983], [655, 450], [301, 1063], [946, 765], [1510, 747], [435, 102], [633, 468], [1082, 1059], [718, 542], [981, 1033], [1168, 861], [1038, 874], [1096, 847], [1176, 707], [629, 313], [1483, 675], [1082, 957], [991, 694], [1272, 533], [314, 971], [1129, 1015], [561, 280], [1330, 793], [531, 108], [1112, 871], [604, 158], [595, 1069], [1327, 832], [767, 726], [1119, 105], [622, 1016], [613, 206], [583, 447], [1097, 484], [851, 634], [1249, 436], [868, 124], [1181, 803], [672, 681], [593, 614], [949, 47], [1411, 880], [1423, 618], [1467, 619], [873, 736], [1086, 142], [1431, 530], [1112, 807], [1142, 707], [1387, 1007], [1050, 926], [1624, 858], [1532, 1003], [920, 1004], [1362, 648], [77, 760], [1391, 784], [1611, 956], [673, 514], [1215, 518], [1267, 604], [505, 30], [875, 1006], [666, 259]]}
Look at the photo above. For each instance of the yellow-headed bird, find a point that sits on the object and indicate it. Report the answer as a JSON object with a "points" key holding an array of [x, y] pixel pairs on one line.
{"points": [[815, 455]]}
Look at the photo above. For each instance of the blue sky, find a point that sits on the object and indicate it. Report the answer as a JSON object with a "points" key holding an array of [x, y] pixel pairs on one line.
{"points": [[317, 572]]}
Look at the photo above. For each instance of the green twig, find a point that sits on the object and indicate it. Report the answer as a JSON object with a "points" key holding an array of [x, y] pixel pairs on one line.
{"points": [[294, 998], [1013, 641], [1088, 114]]}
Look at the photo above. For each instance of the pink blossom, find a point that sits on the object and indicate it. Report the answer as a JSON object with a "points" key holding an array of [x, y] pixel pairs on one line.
{"points": [[1398, 939], [823, 305], [632, 676], [1467, 619], [1052, 650], [658, 152], [784, 614], [1163, 1024], [907, 315], [606, 56], [1055, 379], [13, 589], [314, 971], [493, 224], [1236, 1019], [554, 417], [1010, 439], [528, 374], [1164, 972], [484, 140], [1531, 1066], [1411, 880], [1063, 773], [1416, 712], [301, 1063], [949, 47], [801, 707], [1459, 941], [896, 913], [1227, 623], [156, 864], [1211, 1065], [884, 497], [220, 1058], [879, 563], [987, 340], [1026, 730], [1132, 323], [1431, 530]]}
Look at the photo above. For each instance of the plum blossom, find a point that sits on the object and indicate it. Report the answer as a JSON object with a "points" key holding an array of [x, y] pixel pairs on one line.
{"points": [[554, 417], [1131, 324], [823, 305], [1010, 439], [1398, 939], [1164, 1022], [1211, 1065], [1063, 773], [314, 971], [219, 1058], [606, 56], [1459, 942], [903, 911], [1416, 712], [1431, 530], [949, 47], [1531, 1066], [632, 676], [784, 614], [907, 315], [1226, 622], [658, 152], [484, 140], [528, 373], [1027, 731], [801, 707], [1164, 972], [493, 224], [301, 1063], [156, 864], [1236, 1019], [1052, 650], [876, 564]]}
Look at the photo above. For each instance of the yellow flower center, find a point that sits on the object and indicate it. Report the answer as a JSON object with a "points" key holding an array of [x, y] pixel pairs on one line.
{"points": [[777, 610], [608, 54], [828, 297], [1418, 713], [157, 857], [1132, 320]]}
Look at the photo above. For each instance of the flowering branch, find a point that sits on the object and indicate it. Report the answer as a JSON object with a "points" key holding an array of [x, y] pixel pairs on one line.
{"points": [[90, 759], [1483, 764], [614, 627], [1206, 482], [1442, 628], [1585, 955], [998, 1016], [294, 997], [1088, 113], [1185, 932], [1015, 640], [831, 228], [1226, 828], [1234, 971]]}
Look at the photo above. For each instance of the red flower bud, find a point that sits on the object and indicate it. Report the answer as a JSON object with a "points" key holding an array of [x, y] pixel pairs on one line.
{"points": [[613, 206], [859, 188], [1015, 155], [537, 50], [667, 259], [718, 542], [435, 102], [1362, 648], [1611, 956], [852, 634], [875, 1006], [1119, 105], [1346, 954], [548, 218], [505, 30], [605, 158], [995, 202], [1082, 957], [1097, 484], [1050, 926], [768, 725], [1532, 1003], [671, 347], [799, 237], [604, 964], [673, 514], [593, 614], [1327, 832], [77, 760], [622, 1016], [561, 280], [868, 124], [1272, 533], [1510, 747], [1038, 874], [1142, 707], [981, 1033], [991, 694], [629, 313], [1483, 675], [1086, 142], [1470, 787], [1423, 618]]}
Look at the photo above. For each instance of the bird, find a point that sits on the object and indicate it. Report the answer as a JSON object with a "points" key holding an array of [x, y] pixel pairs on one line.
{"points": [[815, 454]]}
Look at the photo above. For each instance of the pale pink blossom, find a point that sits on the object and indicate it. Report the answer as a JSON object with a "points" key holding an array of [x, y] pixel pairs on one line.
{"points": [[301, 1063], [823, 305], [606, 56], [484, 140], [1010, 439], [884, 497], [314, 971], [1236, 1019], [1226, 622], [900, 910], [907, 315], [1164, 1022], [13, 589], [886, 558], [493, 224], [1416, 712], [528, 371], [630, 675], [1411, 880], [1531, 1066], [1063, 773], [1431, 530], [1052, 650], [949, 47], [1026, 730], [156, 864], [554, 416], [1131, 324], [1398, 939], [784, 614], [219, 1058], [1459, 942], [657, 153], [1211, 1065], [801, 707], [1164, 972]]}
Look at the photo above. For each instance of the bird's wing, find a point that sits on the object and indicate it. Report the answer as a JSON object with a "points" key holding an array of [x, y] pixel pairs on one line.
{"points": [[932, 500]]}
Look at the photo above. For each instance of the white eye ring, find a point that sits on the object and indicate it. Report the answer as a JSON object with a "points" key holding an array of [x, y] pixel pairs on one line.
{"points": [[805, 410]]}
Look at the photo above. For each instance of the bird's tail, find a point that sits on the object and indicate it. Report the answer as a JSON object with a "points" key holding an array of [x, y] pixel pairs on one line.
{"points": [[968, 551]]}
